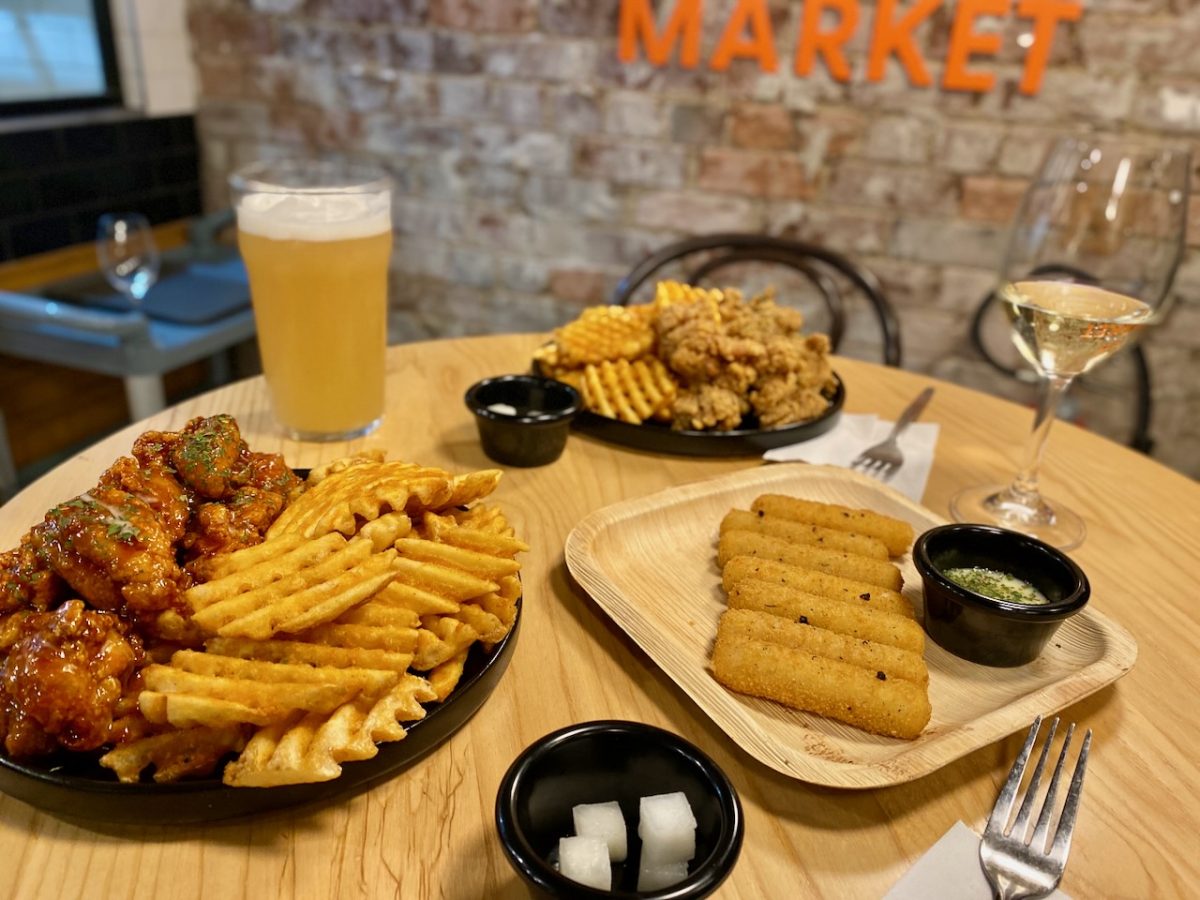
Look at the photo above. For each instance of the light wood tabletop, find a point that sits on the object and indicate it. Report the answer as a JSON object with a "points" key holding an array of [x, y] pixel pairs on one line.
{"points": [[429, 831]]}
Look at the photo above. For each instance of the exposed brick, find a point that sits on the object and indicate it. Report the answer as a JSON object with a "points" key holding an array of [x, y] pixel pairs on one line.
{"points": [[547, 196], [372, 12], [761, 127], [905, 189], [522, 149], [948, 242], [769, 175], [558, 60], [462, 98], [689, 211], [580, 286], [853, 233], [624, 162], [899, 139], [989, 199], [695, 124], [232, 31], [579, 18], [635, 114], [968, 148], [484, 15], [575, 110], [460, 54]]}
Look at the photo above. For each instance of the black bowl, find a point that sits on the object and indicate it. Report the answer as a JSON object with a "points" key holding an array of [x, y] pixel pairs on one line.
{"points": [[982, 629], [536, 432], [596, 762]]}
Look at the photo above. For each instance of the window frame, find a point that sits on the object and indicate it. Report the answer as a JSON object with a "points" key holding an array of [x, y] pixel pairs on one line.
{"points": [[113, 95]]}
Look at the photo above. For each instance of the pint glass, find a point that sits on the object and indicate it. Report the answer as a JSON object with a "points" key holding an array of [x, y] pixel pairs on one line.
{"points": [[316, 238]]}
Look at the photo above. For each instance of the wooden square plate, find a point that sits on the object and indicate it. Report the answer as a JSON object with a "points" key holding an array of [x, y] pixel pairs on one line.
{"points": [[650, 563]]}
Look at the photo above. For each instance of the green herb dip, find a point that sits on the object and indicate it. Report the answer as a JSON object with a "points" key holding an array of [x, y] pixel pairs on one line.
{"points": [[997, 585]]}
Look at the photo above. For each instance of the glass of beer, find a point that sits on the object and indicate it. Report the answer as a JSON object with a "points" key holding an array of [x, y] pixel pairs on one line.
{"points": [[316, 238]]}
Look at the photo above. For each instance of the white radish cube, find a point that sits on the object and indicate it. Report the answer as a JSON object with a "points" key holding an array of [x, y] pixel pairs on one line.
{"points": [[667, 828], [585, 859], [604, 821], [652, 878]]}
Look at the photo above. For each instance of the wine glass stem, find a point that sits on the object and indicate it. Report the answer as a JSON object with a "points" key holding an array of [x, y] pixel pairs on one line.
{"points": [[1053, 388]]}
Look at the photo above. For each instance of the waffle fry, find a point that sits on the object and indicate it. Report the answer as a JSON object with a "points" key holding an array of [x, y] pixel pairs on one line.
{"points": [[313, 747], [445, 677], [632, 392], [364, 489], [603, 333], [174, 754], [673, 293]]}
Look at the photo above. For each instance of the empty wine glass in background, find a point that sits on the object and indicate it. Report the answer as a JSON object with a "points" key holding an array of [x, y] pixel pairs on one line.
{"points": [[127, 254], [1090, 261]]}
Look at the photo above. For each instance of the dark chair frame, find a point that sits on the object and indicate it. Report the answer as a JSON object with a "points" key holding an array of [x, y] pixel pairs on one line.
{"points": [[810, 260], [1140, 438]]}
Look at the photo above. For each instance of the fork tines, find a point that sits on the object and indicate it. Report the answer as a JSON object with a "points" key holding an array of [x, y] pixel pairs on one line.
{"points": [[998, 822]]}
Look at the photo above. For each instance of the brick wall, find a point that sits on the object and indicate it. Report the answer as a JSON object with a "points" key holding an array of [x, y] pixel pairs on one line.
{"points": [[534, 168]]}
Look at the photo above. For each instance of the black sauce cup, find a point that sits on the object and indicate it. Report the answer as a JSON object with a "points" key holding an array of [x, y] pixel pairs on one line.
{"points": [[982, 629], [536, 433], [597, 762]]}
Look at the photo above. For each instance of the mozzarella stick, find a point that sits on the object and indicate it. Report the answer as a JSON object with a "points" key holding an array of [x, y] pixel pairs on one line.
{"points": [[803, 533], [838, 690], [866, 654], [896, 534], [741, 568], [831, 562], [854, 619]]}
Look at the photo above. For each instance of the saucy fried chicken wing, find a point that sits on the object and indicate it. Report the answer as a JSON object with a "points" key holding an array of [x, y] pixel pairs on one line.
{"points": [[62, 678], [206, 455], [113, 550]]}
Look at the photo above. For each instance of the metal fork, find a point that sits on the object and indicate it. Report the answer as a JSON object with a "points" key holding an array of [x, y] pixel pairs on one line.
{"points": [[884, 459], [1018, 868]]}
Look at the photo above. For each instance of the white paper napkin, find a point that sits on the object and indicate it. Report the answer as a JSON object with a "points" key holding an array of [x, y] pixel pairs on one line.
{"points": [[855, 433], [949, 870]]}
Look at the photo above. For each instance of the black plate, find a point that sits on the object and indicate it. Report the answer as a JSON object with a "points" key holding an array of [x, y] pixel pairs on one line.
{"points": [[75, 786]]}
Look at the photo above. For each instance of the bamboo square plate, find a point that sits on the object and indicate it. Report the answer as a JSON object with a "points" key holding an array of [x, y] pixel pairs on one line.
{"points": [[650, 563]]}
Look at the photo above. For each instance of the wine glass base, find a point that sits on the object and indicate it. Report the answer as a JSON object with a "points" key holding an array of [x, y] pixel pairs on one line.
{"points": [[996, 504]]}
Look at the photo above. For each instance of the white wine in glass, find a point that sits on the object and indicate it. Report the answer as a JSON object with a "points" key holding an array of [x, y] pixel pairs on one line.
{"points": [[1090, 261], [127, 254]]}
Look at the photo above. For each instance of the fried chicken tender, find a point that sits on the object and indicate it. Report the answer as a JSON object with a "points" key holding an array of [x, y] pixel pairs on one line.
{"points": [[153, 484], [113, 550], [708, 406], [62, 678]]}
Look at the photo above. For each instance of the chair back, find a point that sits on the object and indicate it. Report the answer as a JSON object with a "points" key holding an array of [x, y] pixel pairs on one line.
{"points": [[817, 265]]}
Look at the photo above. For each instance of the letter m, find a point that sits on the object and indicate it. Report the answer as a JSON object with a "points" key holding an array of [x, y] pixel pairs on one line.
{"points": [[639, 23]]}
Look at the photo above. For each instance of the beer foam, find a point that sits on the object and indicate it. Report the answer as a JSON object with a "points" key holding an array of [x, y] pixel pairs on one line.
{"points": [[315, 217]]}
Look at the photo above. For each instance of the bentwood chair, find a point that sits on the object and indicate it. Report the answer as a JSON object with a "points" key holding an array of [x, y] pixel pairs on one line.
{"points": [[827, 272], [1143, 403]]}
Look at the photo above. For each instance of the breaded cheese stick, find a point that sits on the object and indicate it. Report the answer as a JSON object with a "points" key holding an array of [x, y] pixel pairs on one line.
{"points": [[838, 690], [740, 568], [853, 619], [831, 562], [866, 654], [803, 533], [896, 534]]}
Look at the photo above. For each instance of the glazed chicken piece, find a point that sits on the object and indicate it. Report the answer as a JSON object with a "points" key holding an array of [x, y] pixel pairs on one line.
{"points": [[62, 678], [207, 455], [111, 548], [232, 525], [25, 583], [269, 472], [153, 484]]}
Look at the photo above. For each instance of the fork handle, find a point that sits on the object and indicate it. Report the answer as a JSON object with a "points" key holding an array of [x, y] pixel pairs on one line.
{"points": [[912, 412]]}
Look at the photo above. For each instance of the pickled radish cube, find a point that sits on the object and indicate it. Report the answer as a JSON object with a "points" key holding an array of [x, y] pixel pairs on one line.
{"points": [[654, 877], [667, 828], [585, 859], [604, 821]]}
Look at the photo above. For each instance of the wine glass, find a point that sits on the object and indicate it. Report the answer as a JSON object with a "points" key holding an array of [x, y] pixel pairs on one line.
{"points": [[127, 254], [1089, 263]]}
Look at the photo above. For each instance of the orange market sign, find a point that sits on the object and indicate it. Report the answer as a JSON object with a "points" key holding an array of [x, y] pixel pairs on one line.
{"points": [[749, 34]]}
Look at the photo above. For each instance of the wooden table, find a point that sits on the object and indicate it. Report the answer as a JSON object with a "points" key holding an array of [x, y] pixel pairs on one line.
{"points": [[429, 832]]}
